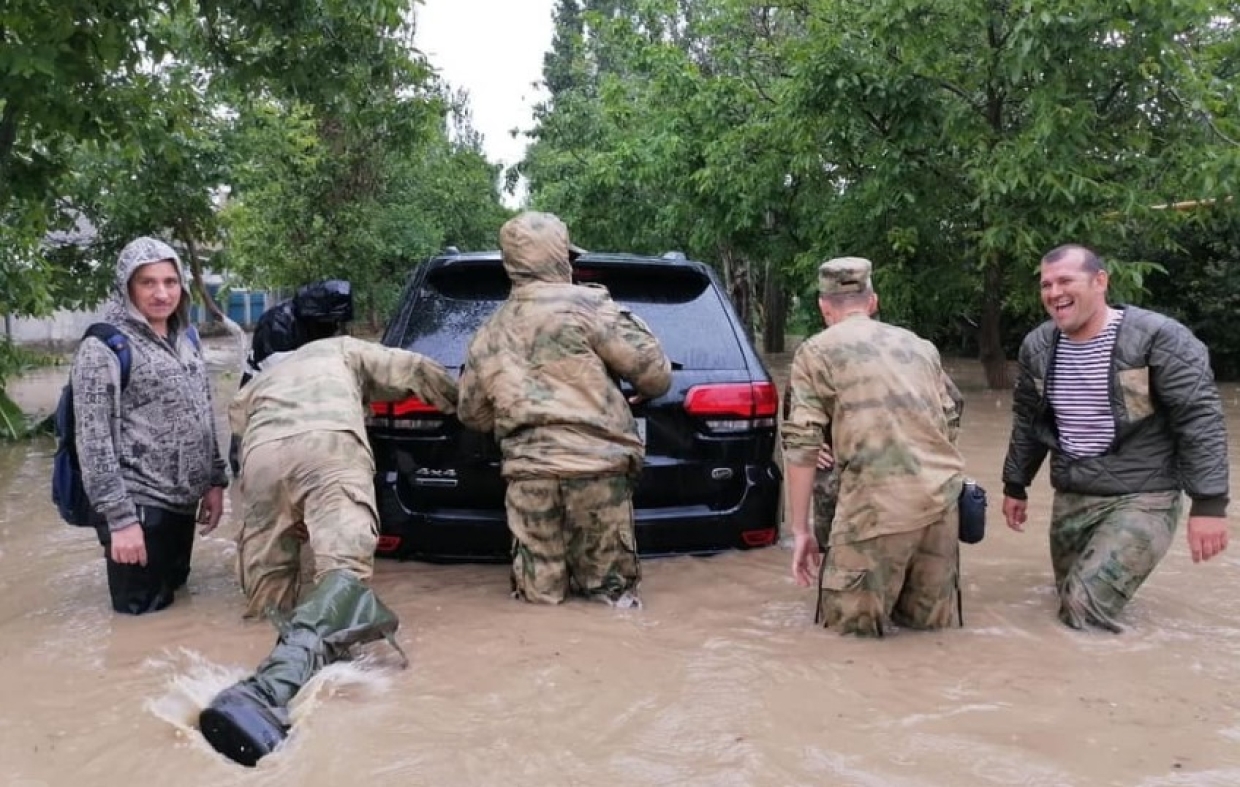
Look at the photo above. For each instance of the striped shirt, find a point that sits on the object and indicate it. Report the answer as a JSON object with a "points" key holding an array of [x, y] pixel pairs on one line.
{"points": [[1079, 392]]}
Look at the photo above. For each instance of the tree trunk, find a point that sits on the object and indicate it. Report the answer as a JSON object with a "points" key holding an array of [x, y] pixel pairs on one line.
{"points": [[736, 280], [751, 299], [195, 268], [775, 312], [234, 330], [8, 139], [990, 332]]}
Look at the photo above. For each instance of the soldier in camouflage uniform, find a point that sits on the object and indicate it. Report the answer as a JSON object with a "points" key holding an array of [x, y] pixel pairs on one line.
{"points": [[1124, 402], [305, 459], [541, 374], [892, 415], [306, 466]]}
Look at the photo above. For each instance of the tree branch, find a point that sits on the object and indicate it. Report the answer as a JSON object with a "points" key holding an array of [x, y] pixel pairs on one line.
{"points": [[1106, 102], [1204, 114]]}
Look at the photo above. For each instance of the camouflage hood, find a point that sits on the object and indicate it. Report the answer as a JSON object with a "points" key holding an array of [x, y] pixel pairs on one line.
{"points": [[536, 249], [139, 252]]}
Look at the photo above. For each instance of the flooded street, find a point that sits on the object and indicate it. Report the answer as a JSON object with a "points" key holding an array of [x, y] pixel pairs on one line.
{"points": [[720, 680]]}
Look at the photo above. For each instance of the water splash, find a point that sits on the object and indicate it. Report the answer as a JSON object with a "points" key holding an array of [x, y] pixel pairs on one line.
{"points": [[366, 677], [193, 681]]}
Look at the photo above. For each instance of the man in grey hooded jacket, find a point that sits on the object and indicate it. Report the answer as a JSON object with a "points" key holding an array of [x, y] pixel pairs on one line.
{"points": [[148, 450]]}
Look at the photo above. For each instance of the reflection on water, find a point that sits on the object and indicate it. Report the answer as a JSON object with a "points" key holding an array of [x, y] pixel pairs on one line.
{"points": [[721, 680]]}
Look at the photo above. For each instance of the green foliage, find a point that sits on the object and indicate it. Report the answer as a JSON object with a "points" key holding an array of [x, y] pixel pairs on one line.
{"points": [[1198, 282], [952, 143], [356, 203], [338, 150]]}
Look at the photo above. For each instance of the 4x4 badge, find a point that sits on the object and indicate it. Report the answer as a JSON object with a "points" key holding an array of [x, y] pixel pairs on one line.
{"points": [[428, 472]]}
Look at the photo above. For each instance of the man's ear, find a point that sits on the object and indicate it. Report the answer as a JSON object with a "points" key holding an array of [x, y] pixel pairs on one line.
{"points": [[873, 304]]}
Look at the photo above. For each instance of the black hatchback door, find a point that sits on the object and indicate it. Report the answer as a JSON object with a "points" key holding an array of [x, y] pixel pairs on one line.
{"points": [[703, 438]]}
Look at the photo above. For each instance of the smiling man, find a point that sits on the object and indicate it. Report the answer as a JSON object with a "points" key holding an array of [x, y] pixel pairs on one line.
{"points": [[1124, 401]]}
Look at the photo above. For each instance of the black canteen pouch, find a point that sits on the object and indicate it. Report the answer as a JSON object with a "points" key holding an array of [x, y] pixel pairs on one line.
{"points": [[972, 505]]}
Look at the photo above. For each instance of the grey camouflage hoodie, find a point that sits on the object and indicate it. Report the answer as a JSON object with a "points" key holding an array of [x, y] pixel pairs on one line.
{"points": [[153, 443]]}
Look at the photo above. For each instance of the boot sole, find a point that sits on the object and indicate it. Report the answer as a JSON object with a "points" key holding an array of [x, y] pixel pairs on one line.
{"points": [[241, 729]]}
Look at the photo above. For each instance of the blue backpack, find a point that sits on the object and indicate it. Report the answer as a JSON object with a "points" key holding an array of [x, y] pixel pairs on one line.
{"points": [[67, 491]]}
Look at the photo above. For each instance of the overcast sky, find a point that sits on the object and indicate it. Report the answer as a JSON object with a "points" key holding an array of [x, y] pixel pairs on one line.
{"points": [[494, 49]]}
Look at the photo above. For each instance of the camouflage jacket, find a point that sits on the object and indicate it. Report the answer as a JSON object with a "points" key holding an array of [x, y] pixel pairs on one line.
{"points": [[541, 373], [326, 385], [893, 415]]}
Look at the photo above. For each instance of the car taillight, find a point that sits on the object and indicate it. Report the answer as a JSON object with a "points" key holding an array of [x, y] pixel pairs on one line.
{"points": [[411, 413], [733, 407], [387, 544], [413, 406]]}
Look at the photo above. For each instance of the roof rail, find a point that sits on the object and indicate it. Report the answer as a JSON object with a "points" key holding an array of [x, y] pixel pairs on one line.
{"points": [[674, 255], [451, 250]]}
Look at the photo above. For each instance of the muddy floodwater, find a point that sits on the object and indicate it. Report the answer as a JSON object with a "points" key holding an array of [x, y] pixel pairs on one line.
{"points": [[721, 680]]}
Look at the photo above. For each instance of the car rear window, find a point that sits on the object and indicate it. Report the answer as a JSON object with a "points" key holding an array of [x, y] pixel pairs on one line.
{"points": [[679, 304]]}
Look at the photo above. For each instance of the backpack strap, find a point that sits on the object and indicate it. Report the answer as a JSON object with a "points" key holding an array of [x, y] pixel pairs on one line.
{"points": [[116, 341]]}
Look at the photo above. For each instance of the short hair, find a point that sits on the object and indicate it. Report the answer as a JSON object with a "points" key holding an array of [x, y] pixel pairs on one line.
{"points": [[844, 300], [1090, 262]]}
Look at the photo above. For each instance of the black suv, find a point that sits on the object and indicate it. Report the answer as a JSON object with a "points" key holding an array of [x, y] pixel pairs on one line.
{"points": [[710, 482]]}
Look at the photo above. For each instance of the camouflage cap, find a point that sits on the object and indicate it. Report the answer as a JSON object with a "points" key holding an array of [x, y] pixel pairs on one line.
{"points": [[844, 275]]}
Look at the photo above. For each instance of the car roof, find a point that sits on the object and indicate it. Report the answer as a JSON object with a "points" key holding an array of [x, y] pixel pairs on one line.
{"points": [[669, 260]]}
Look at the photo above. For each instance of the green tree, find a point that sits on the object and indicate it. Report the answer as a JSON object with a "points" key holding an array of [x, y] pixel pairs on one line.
{"points": [[71, 79], [977, 135], [953, 142]]}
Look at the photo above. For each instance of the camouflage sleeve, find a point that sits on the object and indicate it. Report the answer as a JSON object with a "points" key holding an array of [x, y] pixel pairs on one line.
{"points": [[239, 412], [391, 374], [953, 406], [474, 406], [96, 381], [1025, 452], [806, 420], [630, 349]]}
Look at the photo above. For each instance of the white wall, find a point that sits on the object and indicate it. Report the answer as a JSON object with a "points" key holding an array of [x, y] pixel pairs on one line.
{"points": [[63, 327]]}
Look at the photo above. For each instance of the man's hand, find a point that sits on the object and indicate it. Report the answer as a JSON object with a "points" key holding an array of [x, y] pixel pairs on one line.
{"points": [[805, 559], [826, 460], [1207, 536], [129, 545], [210, 509], [1015, 511]]}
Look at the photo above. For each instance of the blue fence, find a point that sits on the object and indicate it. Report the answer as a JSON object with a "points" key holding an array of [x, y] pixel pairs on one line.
{"points": [[243, 306]]}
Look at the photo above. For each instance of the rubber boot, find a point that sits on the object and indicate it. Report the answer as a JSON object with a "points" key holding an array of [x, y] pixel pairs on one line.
{"points": [[249, 720]]}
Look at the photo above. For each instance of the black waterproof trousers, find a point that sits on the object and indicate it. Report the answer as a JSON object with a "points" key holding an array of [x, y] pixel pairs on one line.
{"points": [[137, 589]]}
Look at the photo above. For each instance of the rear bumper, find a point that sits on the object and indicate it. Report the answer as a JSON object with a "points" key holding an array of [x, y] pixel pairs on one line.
{"points": [[481, 535]]}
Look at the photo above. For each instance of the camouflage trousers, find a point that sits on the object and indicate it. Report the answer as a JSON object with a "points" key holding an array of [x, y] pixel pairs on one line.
{"points": [[1103, 548], [316, 487], [573, 535], [909, 579]]}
